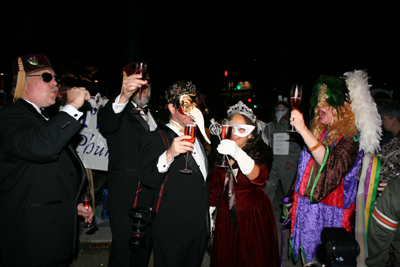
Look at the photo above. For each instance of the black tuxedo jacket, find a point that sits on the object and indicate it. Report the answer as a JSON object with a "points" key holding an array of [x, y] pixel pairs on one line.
{"points": [[123, 132], [183, 211], [41, 178]]}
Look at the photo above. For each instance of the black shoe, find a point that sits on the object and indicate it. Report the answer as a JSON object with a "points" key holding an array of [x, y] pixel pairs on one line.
{"points": [[93, 230]]}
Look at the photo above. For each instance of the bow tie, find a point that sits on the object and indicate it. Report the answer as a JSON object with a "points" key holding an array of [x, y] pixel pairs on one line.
{"points": [[145, 109]]}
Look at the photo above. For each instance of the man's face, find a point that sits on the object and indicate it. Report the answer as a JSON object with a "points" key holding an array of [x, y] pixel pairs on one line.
{"points": [[178, 117], [42, 94]]}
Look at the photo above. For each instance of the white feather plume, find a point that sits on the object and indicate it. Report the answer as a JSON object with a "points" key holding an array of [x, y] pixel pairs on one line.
{"points": [[368, 121]]}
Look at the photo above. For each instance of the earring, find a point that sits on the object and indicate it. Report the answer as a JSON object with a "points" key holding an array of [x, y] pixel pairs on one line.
{"points": [[248, 137]]}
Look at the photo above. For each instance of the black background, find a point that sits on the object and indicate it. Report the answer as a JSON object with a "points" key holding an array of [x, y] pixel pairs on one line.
{"points": [[270, 44]]}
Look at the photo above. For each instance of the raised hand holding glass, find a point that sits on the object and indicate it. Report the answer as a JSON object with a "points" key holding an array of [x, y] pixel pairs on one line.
{"points": [[190, 129]]}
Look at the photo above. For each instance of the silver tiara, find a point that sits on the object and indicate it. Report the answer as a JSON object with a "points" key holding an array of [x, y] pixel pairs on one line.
{"points": [[242, 109]]}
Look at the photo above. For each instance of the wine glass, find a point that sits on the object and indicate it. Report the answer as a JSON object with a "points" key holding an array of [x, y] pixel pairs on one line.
{"points": [[141, 68], [87, 201], [225, 134], [295, 98], [190, 129]]}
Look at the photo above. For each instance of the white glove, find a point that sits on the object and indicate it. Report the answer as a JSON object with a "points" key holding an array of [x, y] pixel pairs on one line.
{"points": [[212, 209], [229, 147]]}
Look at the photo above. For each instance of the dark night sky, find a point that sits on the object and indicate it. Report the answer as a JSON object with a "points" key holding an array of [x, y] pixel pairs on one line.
{"points": [[272, 44]]}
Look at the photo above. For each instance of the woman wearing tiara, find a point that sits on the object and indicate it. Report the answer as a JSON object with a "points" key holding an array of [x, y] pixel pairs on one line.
{"points": [[245, 230]]}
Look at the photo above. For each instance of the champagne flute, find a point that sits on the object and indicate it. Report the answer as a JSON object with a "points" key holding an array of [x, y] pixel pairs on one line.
{"points": [[87, 202], [295, 98], [141, 68], [225, 134], [190, 129], [63, 89]]}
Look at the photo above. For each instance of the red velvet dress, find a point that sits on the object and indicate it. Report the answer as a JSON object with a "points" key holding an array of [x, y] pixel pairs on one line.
{"points": [[256, 242]]}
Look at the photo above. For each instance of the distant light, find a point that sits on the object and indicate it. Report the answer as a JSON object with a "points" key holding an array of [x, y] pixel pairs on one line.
{"points": [[249, 100], [255, 106], [238, 87], [1, 74], [96, 81], [226, 73]]}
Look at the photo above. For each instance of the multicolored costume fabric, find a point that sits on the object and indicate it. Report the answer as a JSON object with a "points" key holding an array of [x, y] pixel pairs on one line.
{"points": [[324, 196]]}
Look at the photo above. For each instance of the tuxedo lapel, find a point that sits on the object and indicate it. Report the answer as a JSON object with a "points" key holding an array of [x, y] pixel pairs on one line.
{"points": [[192, 162], [136, 114], [205, 155], [31, 108], [154, 117]]}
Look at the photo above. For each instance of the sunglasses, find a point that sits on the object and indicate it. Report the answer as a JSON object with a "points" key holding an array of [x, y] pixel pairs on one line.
{"points": [[46, 77]]}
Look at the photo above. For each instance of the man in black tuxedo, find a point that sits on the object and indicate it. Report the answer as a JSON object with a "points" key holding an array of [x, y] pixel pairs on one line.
{"points": [[41, 176], [123, 126], [181, 228]]}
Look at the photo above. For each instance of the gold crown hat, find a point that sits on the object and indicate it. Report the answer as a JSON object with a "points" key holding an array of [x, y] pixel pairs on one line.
{"points": [[25, 65], [184, 91], [179, 89]]}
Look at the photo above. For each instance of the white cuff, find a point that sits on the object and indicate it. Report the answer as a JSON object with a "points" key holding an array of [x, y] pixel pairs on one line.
{"points": [[163, 165], [117, 107], [73, 112]]}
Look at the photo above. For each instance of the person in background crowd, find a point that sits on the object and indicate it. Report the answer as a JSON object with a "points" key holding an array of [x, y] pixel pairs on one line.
{"points": [[390, 114], [181, 229], [390, 151], [286, 150], [326, 186], [123, 126], [41, 176], [245, 230], [384, 228], [381, 97]]}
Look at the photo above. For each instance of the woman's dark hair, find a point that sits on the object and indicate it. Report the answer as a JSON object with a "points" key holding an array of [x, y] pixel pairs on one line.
{"points": [[255, 147], [391, 110]]}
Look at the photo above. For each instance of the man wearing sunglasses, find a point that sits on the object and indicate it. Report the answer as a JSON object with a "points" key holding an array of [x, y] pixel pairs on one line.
{"points": [[122, 122], [41, 175]]}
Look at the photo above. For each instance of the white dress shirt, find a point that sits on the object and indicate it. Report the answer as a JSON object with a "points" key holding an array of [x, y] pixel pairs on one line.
{"points": [[73, 112], [118, 107], [163, 165]]}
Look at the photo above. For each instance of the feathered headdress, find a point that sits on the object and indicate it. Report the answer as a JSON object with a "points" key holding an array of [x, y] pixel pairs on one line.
{"points": [[368, 121], [331, 90]]}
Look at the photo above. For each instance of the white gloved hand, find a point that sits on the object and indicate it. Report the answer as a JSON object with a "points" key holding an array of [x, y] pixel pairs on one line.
{"points": [[229, 147]]}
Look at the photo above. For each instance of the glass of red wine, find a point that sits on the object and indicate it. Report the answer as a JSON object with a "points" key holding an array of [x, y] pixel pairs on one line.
{"points": [[190, 129], [295, 98], [225, 134], [141, 68], [87, 202]]}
